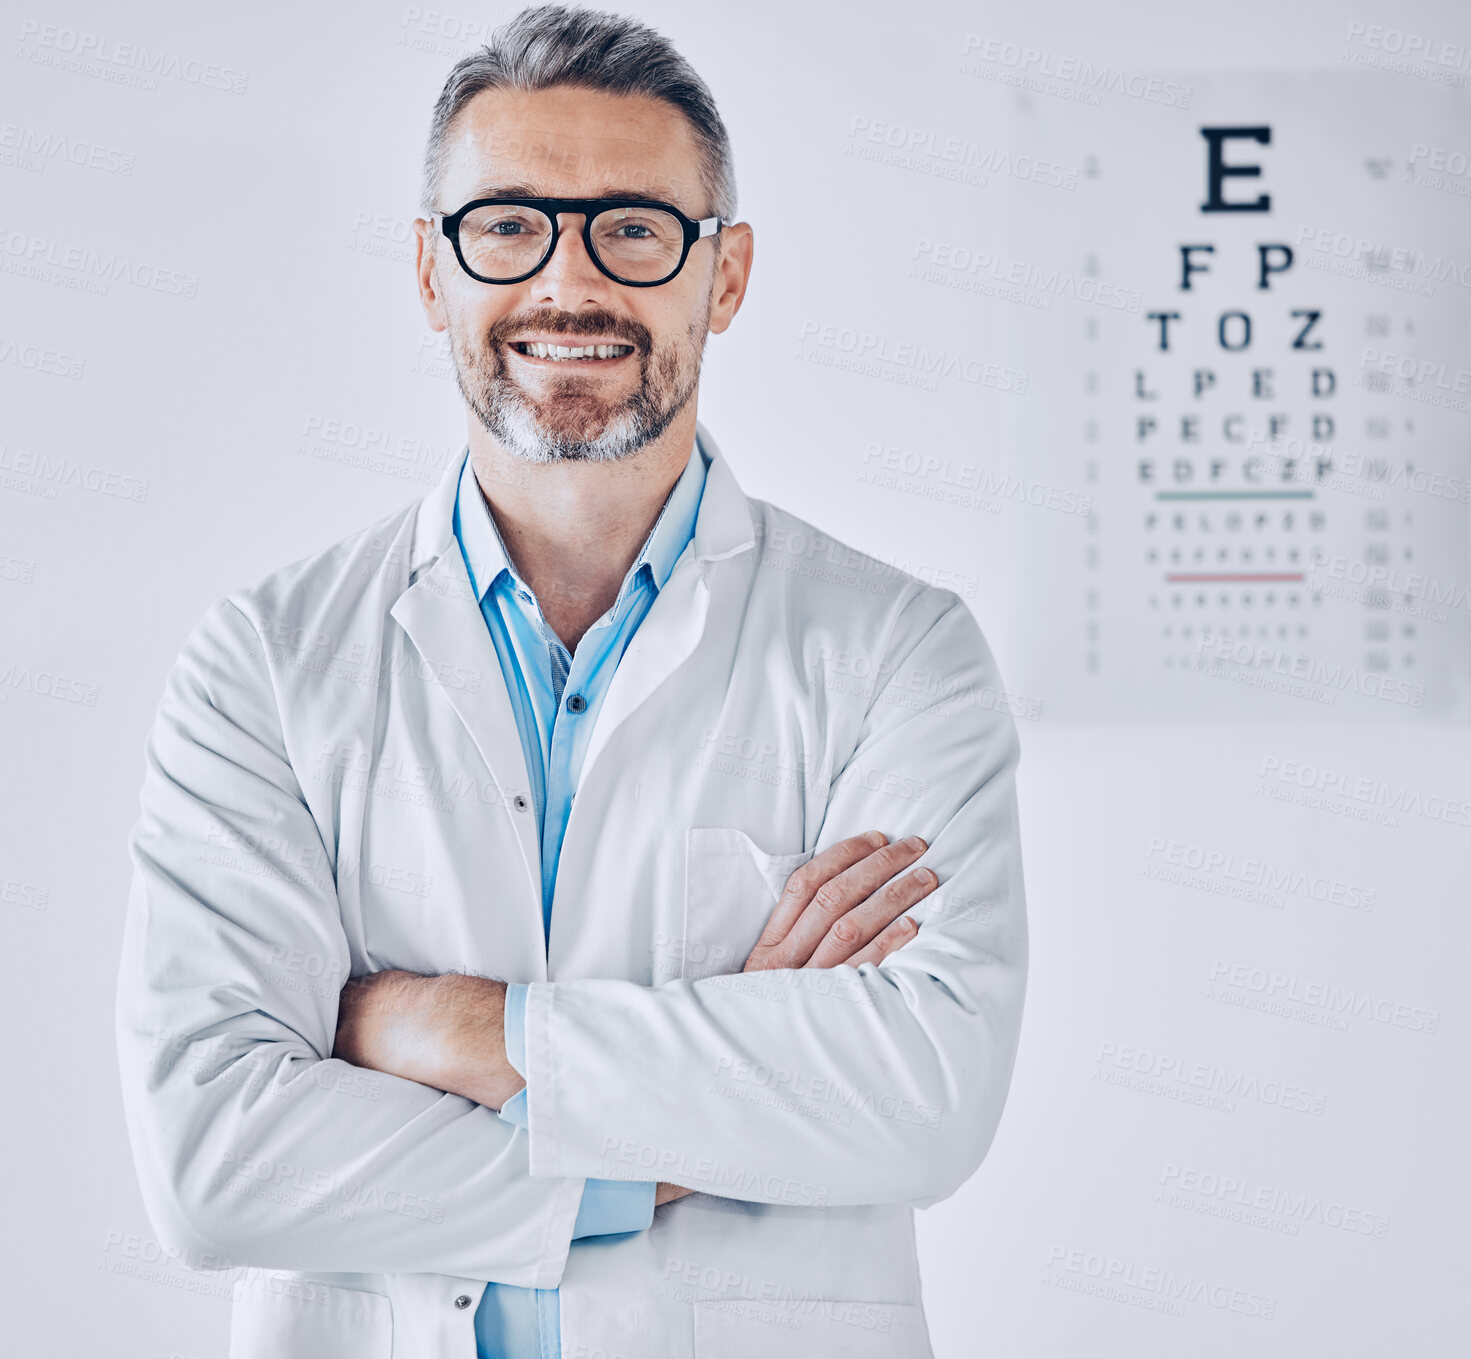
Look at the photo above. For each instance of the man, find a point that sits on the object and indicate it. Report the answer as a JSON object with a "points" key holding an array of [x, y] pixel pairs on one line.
{"points": [[526, 952]]}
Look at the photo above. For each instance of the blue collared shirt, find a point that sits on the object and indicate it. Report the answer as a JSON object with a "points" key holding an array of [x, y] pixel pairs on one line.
{"points": [[556, 696]]}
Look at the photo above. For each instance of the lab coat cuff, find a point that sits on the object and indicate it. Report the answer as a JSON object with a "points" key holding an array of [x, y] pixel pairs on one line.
{"points": [[562, 1130], [542, 1094]]}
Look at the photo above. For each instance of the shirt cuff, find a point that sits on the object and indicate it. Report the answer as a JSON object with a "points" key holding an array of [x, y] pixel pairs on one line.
{"points": [[610, 1206], [514, 1024]]}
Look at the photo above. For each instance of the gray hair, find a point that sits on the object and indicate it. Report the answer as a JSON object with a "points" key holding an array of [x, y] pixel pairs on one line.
{"points": [[551, 45]]}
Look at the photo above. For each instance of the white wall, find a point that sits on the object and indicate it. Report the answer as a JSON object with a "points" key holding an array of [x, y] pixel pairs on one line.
{"points": [[286, 305]]}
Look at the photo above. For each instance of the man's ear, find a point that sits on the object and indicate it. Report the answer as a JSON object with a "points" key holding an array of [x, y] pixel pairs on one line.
{"points": [[426, 238], [732, 274]]}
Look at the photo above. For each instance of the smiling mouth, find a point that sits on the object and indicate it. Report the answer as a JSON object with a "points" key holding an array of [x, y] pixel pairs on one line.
{"points": [[588, 353]]}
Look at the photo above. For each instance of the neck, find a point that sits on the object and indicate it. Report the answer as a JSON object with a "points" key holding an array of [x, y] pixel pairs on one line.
{"points": [[572, 529]]}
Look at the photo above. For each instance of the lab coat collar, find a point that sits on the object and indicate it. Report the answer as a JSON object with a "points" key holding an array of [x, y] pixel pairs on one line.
{"points": [[485, 549], [723, 527]]}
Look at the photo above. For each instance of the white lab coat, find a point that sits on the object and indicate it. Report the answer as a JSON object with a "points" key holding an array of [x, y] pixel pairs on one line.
{"points": [[335, 785]]}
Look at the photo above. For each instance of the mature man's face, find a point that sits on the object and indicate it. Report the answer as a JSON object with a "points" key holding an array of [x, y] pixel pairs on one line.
{"points": [[573, 143]]}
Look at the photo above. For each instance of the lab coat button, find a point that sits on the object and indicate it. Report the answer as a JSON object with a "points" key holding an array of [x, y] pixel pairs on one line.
{"points": [[519, 802], [463, 1301]]}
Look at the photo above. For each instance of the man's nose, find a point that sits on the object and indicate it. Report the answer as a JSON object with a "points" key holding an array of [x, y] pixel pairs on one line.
{"points": [[570, 270]]}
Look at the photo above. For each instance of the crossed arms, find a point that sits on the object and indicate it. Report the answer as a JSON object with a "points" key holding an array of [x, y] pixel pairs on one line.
{"points": [[250, 1136], [844, 906]]}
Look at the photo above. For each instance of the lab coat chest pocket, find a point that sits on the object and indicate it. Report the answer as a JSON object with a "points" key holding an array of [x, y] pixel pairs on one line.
{"points": [[732, 886]]}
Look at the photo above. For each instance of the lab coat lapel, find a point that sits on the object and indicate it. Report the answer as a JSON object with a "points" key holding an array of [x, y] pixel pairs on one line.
{"points": [[672, 628], [668, 634], [442, 618]]}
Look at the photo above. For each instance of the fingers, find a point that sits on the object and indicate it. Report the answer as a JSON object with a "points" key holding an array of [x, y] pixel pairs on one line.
{"points": [[896, 936], [864, 922], [803, 884], [854, 887]]}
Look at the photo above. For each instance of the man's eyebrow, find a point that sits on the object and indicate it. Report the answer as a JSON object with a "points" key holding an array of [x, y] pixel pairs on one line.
{"points": [[506, 191], [533, 191]]}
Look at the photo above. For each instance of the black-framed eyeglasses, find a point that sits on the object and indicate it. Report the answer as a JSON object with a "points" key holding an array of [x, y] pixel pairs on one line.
{"points": [[636, 242]]}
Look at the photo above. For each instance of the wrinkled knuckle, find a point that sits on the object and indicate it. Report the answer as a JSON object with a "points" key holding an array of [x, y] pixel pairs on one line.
{"points": [[803, 880], [895, 896], [845, 932], [829, 900]]}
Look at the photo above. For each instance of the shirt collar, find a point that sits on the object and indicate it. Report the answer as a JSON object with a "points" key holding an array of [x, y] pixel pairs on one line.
{"points": [[486, 556]]}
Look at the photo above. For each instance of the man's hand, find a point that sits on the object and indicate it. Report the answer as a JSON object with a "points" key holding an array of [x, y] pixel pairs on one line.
{"points": [[845, 905], [447, 1032]]}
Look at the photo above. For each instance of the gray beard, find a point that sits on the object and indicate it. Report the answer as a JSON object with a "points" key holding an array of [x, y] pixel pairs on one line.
{"points": [[669, 377]]}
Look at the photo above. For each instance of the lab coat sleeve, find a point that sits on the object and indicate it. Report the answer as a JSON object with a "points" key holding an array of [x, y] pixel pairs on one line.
{"points": [[882, 1084], [609, 1207], [253, 1144]]}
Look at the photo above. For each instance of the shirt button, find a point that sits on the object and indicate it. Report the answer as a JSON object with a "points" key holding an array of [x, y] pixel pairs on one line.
{"points": [[519, 802], [576, 703], [463, 1301]]}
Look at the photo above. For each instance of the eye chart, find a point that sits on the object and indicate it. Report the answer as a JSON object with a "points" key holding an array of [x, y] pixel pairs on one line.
{"points": [[1256, 368]]}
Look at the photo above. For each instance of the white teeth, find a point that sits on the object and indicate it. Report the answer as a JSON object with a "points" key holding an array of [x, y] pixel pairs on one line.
{"points": [[589, 351]]}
